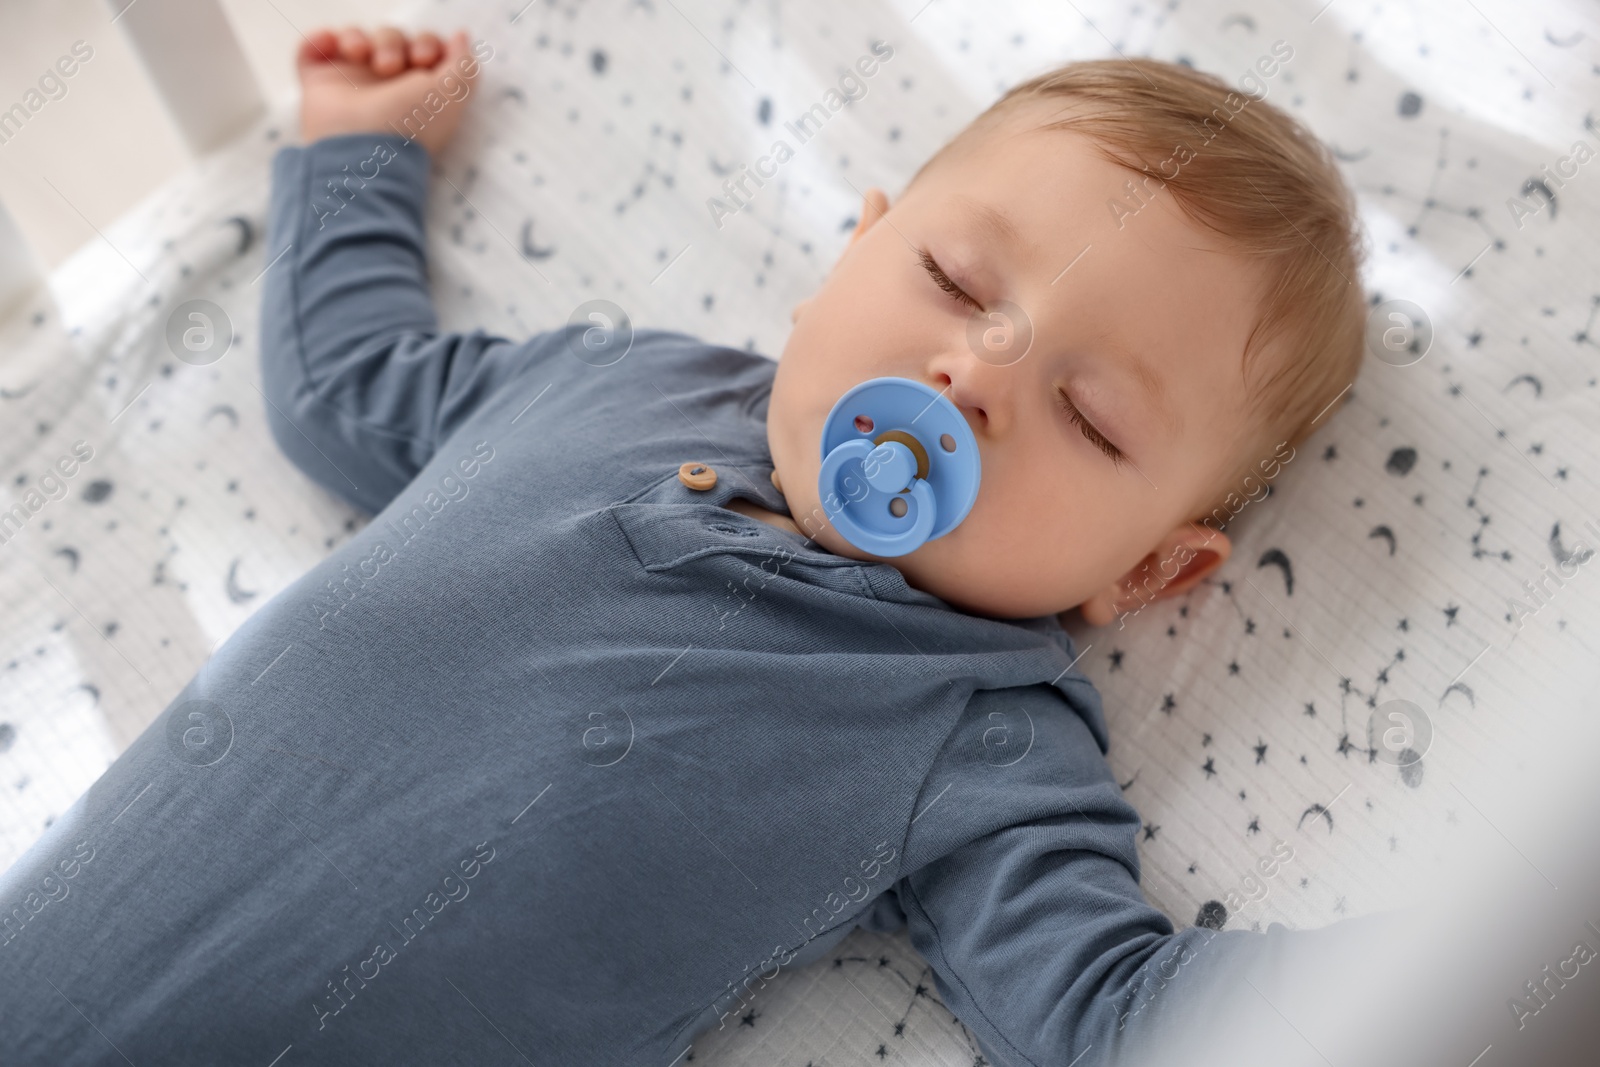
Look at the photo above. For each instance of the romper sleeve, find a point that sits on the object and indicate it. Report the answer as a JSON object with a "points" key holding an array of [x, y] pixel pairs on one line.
{"points": [[360, 385]]}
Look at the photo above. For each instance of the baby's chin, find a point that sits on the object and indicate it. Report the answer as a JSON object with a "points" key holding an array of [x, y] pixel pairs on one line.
{"points": [[958, 571], [951, 570]]}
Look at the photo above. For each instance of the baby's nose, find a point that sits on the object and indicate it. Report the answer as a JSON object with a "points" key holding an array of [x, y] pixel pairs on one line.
{"points": [[966, 396]]}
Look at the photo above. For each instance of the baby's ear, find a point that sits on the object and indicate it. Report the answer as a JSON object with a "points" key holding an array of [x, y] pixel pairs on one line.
{"points": [[1185, 556], [874, 205]]}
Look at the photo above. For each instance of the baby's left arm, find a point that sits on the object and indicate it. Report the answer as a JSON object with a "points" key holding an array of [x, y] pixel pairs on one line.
{"points": [[1023, 895]]}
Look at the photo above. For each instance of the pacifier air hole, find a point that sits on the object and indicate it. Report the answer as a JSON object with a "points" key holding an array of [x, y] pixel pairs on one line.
{"points": [[947, 442], [898, 507], [863, 423]]}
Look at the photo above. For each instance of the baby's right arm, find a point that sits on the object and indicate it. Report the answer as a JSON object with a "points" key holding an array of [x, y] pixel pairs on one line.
{"points": [[360, 385]]}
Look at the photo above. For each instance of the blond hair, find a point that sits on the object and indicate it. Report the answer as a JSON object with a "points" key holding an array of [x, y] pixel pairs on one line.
{"points": [[1258, 178]]}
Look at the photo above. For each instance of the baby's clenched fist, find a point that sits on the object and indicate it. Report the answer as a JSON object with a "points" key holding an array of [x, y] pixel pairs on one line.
{"points": [[386, 82]]}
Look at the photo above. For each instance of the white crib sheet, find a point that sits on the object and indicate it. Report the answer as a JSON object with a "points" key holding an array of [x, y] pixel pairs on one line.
{"points": [[1382, 566]]}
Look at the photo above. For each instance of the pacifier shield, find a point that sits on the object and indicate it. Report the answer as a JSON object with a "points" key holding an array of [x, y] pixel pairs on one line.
{"points": [[900, 466]]}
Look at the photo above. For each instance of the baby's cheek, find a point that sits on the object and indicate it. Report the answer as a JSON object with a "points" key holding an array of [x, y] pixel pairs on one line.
{"points": [[998, 568]]}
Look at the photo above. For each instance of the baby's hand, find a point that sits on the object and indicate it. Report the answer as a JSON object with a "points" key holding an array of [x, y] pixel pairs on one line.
{"points": [[415, 87]]}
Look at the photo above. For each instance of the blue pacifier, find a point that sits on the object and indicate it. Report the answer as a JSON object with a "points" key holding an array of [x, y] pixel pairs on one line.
{"points": [[899, 466]]}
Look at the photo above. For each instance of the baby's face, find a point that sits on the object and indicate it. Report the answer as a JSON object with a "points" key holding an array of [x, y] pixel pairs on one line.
{"points": [[1112, 430]]}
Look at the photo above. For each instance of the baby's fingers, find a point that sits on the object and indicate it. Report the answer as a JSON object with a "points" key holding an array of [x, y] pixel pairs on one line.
{"points": [[426, 49], [458, 55], [320, 46], [389, 52], [354, 45]]}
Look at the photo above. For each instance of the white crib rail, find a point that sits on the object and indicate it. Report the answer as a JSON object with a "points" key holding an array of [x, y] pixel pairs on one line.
{"points": [[194, 62], [19, 270]]}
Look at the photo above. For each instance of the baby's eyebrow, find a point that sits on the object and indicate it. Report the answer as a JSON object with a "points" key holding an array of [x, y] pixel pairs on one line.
{"points": [[1154, 388], [994, 222]]}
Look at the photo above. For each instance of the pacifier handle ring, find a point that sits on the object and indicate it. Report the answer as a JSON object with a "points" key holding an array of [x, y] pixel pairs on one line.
{"points": [[829, 475], [890, 545], [894, 544]]}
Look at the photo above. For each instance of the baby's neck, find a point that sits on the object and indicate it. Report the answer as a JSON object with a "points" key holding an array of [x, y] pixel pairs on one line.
{"points": [[771, 518]]}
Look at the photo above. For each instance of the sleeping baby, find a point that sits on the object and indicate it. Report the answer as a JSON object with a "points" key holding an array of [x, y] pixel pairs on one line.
{"points": [[612, 713]]}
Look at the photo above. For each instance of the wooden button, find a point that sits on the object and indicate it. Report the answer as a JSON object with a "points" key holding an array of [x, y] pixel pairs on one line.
{"points": [[698, 476]]}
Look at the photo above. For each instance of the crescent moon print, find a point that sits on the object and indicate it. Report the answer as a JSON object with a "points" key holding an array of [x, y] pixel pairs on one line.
{"points": [[531, 250], [225, 410], [1462, 688], [1385, 533], [247, 232], [1538, 185], [1316, 811], [1559, 552], [236, 593], [1538, 386], [71, 556], [1274, 557]]}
